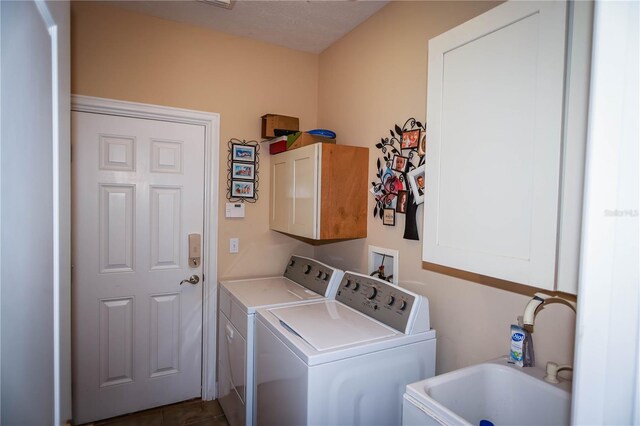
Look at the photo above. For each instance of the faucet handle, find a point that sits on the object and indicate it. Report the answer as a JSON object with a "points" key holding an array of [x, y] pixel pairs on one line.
{"points": [[552, 371]]}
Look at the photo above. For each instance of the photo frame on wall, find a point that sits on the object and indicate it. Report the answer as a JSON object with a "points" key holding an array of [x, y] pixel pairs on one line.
{"points": [[422, 148], [410, 139], [400, 163], [417, 183], [242, 171], [242, 189], [243, 152], [389, 217], [403, 199]]}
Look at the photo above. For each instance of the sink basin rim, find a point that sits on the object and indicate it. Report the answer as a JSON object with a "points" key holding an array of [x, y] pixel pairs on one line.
{"points": [[420, 391]]}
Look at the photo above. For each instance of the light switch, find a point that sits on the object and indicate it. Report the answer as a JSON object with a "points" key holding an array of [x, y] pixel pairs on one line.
{"points": [[234, 245]]}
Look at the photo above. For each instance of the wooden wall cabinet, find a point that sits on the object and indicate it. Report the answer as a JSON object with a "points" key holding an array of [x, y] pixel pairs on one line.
{"points": [[319, 192], [506, 120]]}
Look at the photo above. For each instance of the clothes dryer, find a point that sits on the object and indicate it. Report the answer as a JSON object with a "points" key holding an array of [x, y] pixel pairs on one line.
{"points": [[303, 280]]}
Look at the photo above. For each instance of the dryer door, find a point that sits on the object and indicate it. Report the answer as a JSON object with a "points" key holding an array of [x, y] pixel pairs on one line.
{"points": [[232, 380]]}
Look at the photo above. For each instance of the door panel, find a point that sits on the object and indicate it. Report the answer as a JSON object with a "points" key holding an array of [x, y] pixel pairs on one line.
{"points": [[138, 194], [495, 102], [280, 193], [305, 191], [232, 379], [116, 341]]}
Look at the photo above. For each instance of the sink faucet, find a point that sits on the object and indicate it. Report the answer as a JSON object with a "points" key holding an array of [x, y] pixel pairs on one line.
{"points": [[538, 300], [528, 319]]}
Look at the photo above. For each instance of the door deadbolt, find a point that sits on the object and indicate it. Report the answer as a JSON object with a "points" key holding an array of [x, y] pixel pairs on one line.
{"points": [[194, 250]]}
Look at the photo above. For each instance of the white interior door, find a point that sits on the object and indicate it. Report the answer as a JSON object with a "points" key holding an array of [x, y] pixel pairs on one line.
{"points": [[138, 188]]}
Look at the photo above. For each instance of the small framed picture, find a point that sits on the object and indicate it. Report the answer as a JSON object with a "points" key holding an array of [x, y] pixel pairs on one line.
{"points": [[410, 139], [243, 152], [389, 217], [422, 148], [400, 163], [242, 189], [416, 182], [243, 171], [401, 204]]}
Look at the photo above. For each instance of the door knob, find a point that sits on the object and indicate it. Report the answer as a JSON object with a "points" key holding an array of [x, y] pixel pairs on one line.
{"points": [[193, 279]]}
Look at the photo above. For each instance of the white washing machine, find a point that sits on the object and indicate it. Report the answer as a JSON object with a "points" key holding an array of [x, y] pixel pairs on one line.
{"points": [[345, 361], [303, 280]]}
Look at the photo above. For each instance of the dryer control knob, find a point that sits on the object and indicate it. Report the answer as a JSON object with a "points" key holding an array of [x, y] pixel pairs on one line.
{"points": [[390, 300], [319, 274], [307, 269], [371, 294], [356, 286], [403, 305], [292, 262], [348, 284]]}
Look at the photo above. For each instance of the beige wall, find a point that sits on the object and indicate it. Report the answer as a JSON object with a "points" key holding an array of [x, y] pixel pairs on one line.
{"points": [[360, 87], [376, 77], [124, 55]]}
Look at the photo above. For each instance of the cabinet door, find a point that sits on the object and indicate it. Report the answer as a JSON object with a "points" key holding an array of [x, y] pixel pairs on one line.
{"points": [[303, 164], [280, 193], [494, 119], [294, 192]]}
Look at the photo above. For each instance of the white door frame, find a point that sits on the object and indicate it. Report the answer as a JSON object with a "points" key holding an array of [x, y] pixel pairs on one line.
{"points": [[211, 123]]}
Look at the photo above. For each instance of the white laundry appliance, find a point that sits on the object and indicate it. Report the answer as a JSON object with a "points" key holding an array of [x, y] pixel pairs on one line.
{"points": [[345, 361], [303, 280]]}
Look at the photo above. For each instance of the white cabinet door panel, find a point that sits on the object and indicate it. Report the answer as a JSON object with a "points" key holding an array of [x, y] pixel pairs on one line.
{"points": [[494, 115], [294, 191], [304, 207], [280, 193]]}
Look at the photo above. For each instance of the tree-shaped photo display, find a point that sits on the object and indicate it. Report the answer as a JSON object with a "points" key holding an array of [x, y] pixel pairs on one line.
{"points": [[400, 174]]}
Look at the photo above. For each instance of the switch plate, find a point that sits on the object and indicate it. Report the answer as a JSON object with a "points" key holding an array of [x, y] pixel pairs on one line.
{"points": [[234, 245]]}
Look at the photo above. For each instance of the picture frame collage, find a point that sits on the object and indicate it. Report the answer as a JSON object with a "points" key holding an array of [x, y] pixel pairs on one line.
{"points": [[401, 174], [243, 162]]}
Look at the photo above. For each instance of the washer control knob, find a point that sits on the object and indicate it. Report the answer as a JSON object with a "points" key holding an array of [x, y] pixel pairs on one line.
{"points": [[319, 274], [371, 294], [326, 276], [403, 305], [356, 286], [348, 284], [292, 262], [307, 269], [390, 300]]}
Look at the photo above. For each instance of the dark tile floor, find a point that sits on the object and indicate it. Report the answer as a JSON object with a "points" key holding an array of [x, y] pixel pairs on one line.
{"points": [[192, 413]]}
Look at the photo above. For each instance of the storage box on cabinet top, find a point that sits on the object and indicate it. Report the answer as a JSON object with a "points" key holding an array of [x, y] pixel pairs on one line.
{"points": [[304, 139], [270, 122]]}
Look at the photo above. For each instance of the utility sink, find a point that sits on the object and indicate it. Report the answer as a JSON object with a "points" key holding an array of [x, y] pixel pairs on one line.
{"points": [[496, 391]]}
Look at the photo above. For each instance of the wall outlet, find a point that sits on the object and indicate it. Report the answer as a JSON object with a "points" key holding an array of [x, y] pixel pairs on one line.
{"points": [[234, 245]]}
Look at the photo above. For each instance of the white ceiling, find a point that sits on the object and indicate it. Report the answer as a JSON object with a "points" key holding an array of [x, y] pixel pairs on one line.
{"points": [[310, 26]]}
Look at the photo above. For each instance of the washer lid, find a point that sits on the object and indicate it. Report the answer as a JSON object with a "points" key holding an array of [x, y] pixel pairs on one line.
{"points": [[258, 292], [330, 325]]}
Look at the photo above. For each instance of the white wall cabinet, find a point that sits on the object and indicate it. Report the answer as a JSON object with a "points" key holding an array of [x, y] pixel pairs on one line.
{"points": [[319, 192], [499, 164]]}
